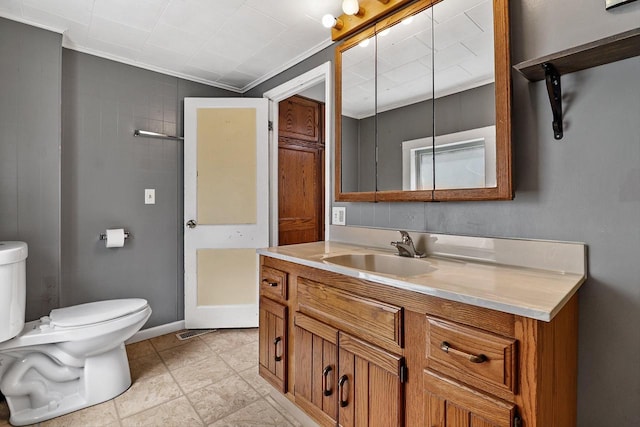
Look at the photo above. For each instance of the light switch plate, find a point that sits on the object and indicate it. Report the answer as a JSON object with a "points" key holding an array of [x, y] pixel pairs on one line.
{"points": [[339, 215], [149, 196]]}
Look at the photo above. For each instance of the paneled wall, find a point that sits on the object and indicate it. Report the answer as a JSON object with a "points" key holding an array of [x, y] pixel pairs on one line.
{"points": [[105, 170], [30, 60]]}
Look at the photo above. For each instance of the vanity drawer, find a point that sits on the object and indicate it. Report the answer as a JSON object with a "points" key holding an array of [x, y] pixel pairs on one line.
{"points": [[377, 322], [273, 283], [479, 358]]}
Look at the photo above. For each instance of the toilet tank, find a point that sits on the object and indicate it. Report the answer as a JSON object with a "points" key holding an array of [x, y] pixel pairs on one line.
{"points": [[13, 288]]}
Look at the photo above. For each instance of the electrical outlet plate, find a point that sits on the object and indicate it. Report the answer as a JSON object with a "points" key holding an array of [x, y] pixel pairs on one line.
{"points": [[339, 215]]}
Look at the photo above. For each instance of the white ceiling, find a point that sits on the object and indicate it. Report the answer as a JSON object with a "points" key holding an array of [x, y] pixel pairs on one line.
{"points": [[232, 44], [237, 44]]}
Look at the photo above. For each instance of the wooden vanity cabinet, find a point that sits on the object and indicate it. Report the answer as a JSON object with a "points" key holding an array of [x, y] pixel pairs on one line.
{"points": [[272, 343], [316, 369], [274, 323], [362, 353]]}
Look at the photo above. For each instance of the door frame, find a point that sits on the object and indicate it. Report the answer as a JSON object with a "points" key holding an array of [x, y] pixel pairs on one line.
{"points": [[319, 74]]}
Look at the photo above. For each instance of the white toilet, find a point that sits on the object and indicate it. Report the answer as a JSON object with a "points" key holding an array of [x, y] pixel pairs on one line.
{"points": [[71, 359]]}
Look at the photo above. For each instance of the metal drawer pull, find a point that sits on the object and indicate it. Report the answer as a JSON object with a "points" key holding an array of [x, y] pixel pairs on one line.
{"points": [[325, 374], [480, 358], [343, 402], [275, 349], [268, 283]]}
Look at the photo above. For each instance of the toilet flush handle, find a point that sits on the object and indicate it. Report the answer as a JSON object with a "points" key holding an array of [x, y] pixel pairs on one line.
{"points": [[191, 223]]}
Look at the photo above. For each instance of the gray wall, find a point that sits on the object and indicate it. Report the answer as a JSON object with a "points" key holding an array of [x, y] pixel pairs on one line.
{"points": [[30, 67], [584, 188], [105, 170]]}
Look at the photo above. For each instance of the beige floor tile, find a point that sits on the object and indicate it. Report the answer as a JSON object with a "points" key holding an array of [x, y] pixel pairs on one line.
{"points": [[139, 349], [202, 373], [147, 393], [296, 416], [178, 412], [218, 400], [229, 339], [185, 355], [102, 415], [257, 414], [243, 357], [254, 379], [146, 367], [164, 342]]}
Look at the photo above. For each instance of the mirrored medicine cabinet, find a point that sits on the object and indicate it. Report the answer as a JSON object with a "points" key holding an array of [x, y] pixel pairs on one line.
{"points": [[423, 105]]}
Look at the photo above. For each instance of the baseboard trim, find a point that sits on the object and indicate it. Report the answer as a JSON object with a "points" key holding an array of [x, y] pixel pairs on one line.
{"points": [[156, 331]]}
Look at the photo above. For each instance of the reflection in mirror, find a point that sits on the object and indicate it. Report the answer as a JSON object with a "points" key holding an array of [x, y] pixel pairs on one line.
{"points": [[464, 154], [465, 160], [404, 93], [358, 110]]}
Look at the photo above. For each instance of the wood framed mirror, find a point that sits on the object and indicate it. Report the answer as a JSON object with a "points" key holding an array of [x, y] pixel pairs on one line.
{"points": [[423, 105]]}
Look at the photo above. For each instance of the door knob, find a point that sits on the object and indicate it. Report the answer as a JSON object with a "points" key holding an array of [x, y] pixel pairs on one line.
{"points": [[191, 223]]}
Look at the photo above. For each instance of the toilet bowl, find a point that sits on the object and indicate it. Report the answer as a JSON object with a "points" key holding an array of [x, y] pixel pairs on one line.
{"points": [[69, 360]]}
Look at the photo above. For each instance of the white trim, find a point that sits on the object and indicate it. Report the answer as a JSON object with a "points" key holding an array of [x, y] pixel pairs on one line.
{"points": [[156, 331], [296, 85]]}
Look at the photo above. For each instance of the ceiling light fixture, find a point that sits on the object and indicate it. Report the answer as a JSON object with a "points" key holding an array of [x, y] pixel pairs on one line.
{"points": [[329, 21], [352, 7]]}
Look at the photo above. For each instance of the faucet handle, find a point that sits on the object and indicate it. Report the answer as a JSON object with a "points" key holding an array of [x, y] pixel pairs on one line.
{"points": [[405, 236]]}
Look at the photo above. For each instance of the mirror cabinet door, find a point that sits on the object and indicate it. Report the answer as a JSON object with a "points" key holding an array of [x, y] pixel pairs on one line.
{"points": [[356, 88], [427, 107], [405, 107], [465, 142]]}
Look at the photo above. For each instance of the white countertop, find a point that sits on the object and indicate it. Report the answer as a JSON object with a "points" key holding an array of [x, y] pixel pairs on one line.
{"points": [[531, 292]]}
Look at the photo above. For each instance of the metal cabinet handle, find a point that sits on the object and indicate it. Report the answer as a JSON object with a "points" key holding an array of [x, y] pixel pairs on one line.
{"points": [[191, 223], [325, 373], [268, 283], [473, 358], [341, 386], [275, 349]]}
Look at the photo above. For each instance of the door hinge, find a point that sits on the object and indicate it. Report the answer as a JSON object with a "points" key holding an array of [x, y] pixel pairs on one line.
{"points": [[404, 372], [270, 125], [517, 421]]}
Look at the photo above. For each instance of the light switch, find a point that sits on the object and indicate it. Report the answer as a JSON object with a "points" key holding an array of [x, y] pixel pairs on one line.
{"points": [[149, 196]]}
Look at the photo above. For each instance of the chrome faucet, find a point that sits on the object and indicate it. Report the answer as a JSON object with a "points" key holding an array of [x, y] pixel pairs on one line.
{"points": [[406, 248]]}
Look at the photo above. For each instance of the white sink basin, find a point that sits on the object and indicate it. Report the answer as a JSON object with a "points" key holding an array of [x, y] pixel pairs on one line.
{"points": [[384, 264]]}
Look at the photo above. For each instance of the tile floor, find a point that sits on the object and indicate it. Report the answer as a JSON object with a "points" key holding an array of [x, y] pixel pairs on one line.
{"points": [[209, 380]]}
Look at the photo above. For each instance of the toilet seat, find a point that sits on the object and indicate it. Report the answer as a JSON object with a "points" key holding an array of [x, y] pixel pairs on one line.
{"points": [[94, 312], [80, 322]]}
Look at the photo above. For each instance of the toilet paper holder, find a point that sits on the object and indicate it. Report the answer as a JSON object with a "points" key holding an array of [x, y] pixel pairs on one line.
{"points": [[103, 236]]}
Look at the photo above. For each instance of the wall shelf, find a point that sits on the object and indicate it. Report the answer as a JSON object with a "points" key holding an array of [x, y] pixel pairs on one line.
{"points": [[551, 67], [610, 49]]}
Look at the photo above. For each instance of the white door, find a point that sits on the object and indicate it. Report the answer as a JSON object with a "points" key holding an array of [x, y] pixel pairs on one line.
{"points": [[226, 212]]}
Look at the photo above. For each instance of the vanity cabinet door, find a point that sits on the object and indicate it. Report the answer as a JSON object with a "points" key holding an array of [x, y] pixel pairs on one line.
{"points": [[451, 404], [316, 369], [273, 343], [370, 385]]}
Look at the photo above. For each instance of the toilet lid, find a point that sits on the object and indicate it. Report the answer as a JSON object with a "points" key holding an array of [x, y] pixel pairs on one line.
{"points": [[95, 312]]}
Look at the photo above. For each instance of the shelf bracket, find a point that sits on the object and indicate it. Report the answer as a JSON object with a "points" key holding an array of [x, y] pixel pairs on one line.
{"points": [[554, 89]]}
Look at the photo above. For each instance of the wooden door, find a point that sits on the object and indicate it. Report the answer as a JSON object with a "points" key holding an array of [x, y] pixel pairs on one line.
{"points": [[316, 369], [370, 389], [300, 171], [272, 345], [450, 404]]}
